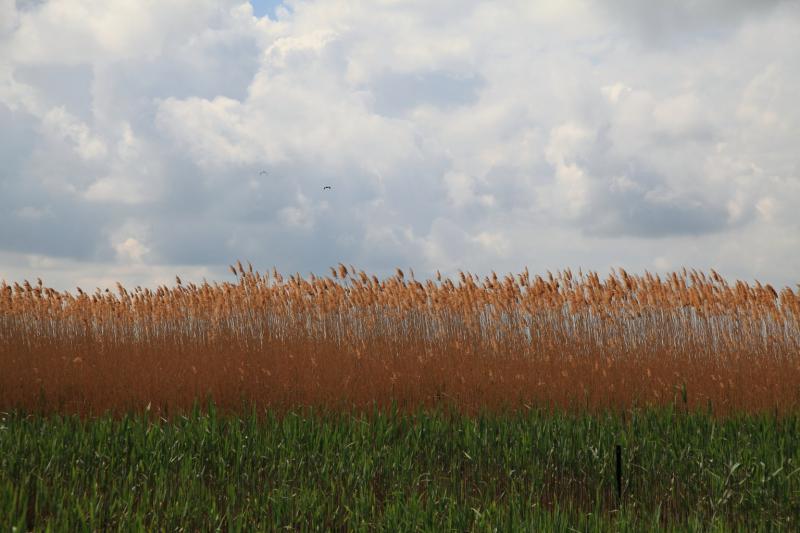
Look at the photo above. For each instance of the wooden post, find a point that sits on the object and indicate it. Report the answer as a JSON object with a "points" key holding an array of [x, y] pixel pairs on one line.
{"points": [[619, 473]]}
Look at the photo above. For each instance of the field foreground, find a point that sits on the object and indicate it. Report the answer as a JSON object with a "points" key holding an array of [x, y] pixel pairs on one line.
{"points": [[430, 471], [351, 341]]}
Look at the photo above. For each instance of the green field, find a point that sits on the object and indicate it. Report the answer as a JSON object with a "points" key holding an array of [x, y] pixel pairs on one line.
{"points": [[431, 471]]}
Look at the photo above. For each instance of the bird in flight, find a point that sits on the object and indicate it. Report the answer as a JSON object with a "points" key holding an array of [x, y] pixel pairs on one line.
{"points": [[263, 173], [328, 187]]}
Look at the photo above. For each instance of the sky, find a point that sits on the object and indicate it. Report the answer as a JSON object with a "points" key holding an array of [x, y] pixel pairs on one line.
{"points": [[144, 140]]}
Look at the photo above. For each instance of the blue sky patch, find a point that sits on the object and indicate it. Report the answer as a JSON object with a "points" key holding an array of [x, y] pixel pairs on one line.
{"points": [[265, 7]]}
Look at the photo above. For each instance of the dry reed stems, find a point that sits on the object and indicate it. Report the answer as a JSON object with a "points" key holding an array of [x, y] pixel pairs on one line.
{"points": [[351, 340]]}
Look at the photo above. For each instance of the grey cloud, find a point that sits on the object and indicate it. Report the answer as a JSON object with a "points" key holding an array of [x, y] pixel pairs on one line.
{"points": [[629, 198], [396, 93], [189, 240], [28, 5], [67, 231], [207, 217], [19, 136], [215, 238], [685, 21], [61, 85], [35, 217], [635, 215], [653, 210], [133, 89], [34, 220], [225, 70]]}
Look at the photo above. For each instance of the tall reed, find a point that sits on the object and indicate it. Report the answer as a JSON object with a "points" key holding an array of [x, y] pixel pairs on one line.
{"points": [[352, 340]]}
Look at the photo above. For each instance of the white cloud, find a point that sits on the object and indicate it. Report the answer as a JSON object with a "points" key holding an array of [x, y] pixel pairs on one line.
{"points": [[129, 241], [299, 215], [60, 123], [615, 92], [98, 31], [571, 192], [766, 208], [662, 264], [113, 189], [67, 274], [494, 242], [8, 16], [679, 115], [134, 176], [461, 191], [131, 250]]}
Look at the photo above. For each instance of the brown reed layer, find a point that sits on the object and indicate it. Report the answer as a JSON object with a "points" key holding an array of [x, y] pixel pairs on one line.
{"points": [[351, 341]]}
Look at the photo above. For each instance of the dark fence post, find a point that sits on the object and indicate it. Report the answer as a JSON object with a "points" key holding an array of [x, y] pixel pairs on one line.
{"points": [[619, 473]]}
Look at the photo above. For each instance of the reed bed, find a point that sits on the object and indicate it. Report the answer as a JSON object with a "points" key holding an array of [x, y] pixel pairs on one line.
{"points": [[353, 341]]}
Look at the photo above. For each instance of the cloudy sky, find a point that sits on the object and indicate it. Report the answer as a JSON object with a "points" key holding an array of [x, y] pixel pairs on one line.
{"points": [[144, 139]]}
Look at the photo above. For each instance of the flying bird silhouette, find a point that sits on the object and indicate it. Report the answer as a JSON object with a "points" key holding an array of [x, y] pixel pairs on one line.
{"points": [[263, 173], [328, 187]]}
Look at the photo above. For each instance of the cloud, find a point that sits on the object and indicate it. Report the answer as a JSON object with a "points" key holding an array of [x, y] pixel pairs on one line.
{"points": [[9, 18], [669, 23], [59, 123], [131, 250], [456, 135], [395, 93]]}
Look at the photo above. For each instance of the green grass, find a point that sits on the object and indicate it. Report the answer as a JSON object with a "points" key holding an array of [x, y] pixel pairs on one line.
{"points": [[430, 471]]}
